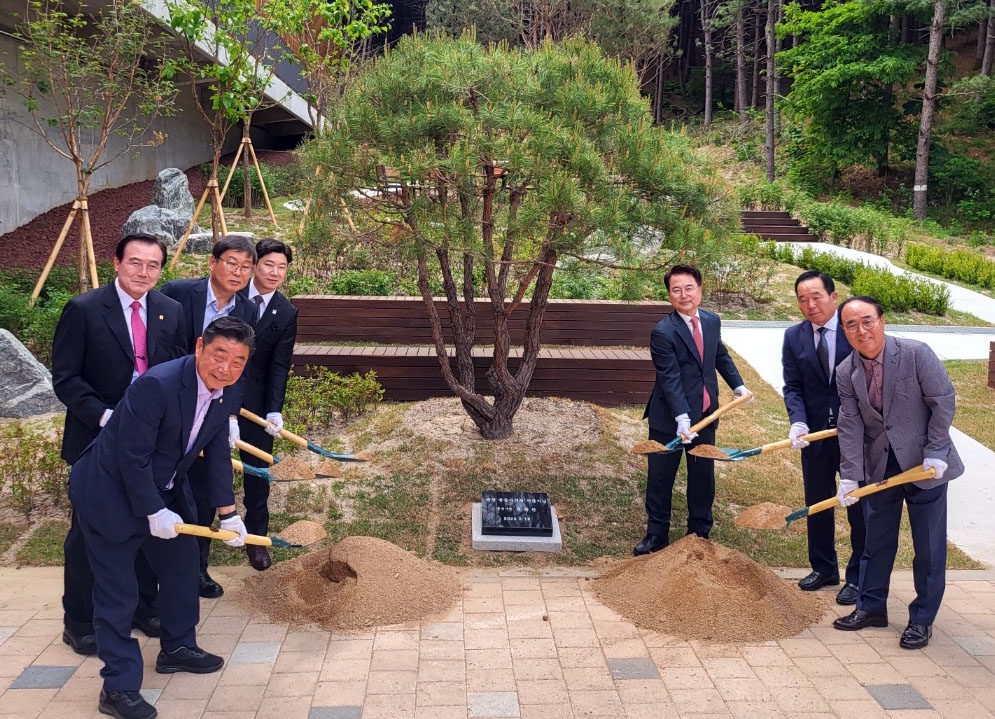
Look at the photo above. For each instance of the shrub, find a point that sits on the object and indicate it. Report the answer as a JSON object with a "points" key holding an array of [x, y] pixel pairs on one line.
{"points": [[314, 399], [31, 466], [959, 265], [34, 325], [363, 282]]}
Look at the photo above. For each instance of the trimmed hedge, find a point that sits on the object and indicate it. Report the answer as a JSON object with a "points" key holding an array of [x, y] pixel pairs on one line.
{"points": [[960, 265]]}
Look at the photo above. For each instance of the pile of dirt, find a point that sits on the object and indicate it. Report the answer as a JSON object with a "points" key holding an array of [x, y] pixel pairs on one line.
{"points": [[708, 451], [697, 589], [766, 515], [292, 468], [358, 583], [303, 532], [328, 468], [647, 446]]}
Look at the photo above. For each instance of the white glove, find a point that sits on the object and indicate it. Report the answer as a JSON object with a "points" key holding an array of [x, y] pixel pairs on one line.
{"points": [[847, 486], [276, 420], [233, 435], [163, 523], [797, 430], [234, 524], [938, 464], [105, 417], [684, 429], [740, 391]]}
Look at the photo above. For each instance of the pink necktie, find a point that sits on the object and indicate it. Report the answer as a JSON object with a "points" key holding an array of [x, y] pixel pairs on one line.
{"points": [[138, 334], [700, 344]]}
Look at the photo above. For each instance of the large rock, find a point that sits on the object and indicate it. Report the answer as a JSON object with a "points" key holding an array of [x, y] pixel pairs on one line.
{"points": [[167, 225], [25, 384], [172, 191]]}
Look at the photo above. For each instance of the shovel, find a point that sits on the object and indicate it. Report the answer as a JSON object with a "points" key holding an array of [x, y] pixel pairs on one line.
{"points": [[674, 444], [315, 530], [916, 474], [262, 473], [301, 442], [256, 452], [734, 455]]}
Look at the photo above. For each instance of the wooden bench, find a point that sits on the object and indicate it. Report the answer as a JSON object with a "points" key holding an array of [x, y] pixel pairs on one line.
{"points": [[607, 377]]}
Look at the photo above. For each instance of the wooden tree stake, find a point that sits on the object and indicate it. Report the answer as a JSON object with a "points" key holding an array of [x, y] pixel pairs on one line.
{"points": [[55, 251]]}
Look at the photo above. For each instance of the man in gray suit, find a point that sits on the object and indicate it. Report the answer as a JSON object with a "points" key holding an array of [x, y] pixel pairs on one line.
{"points": [[896, 407]]}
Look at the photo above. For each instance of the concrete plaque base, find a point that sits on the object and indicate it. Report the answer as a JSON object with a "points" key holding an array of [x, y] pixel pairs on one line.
{"points": [[499, 543]]}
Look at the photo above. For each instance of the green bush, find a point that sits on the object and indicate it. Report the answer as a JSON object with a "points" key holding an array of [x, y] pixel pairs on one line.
{"points": [[34, 325], [959, 265], [313, 400], [32, 468], [278, 184], [373, 283]]}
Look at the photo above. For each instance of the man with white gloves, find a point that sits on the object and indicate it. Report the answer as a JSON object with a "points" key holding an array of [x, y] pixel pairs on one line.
{"points": [[265, 382], [896, 407], [131, 488], [811, 352], [687, 351]]}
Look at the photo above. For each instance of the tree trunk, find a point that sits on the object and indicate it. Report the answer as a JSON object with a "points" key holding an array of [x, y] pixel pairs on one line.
{"points": [[755, 89], [928, 105], [215, 210], [986, 60], [741, 63], [979, 52], [706, 27], [247, 168], [772, 9]]}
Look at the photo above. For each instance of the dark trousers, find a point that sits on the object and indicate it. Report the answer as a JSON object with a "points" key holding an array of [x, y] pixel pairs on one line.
{"points": [[660, 476], [77, 591], [115, 596], [928, 520], [820, 465], [204, 509], [256, 488]]}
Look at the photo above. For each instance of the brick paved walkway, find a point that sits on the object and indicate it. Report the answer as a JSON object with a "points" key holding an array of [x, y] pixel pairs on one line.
{"points": [[494, 655]]}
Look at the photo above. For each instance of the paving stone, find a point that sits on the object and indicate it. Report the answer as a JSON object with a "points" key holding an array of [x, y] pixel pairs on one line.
{"points": [[335, 713], [6, 633], [41, 677], [492, 704], [638, 668], [976, 646], [151, 695], [898, 696], [255, 653]]}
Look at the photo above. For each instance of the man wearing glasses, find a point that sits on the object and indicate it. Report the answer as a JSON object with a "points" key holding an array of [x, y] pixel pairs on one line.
{"points": [[230, 268], [896, 407]]}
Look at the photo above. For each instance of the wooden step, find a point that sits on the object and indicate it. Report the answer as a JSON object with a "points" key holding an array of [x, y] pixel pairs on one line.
{"points": [[788, 237], [769, 222], [774, 229], [764, 213]]}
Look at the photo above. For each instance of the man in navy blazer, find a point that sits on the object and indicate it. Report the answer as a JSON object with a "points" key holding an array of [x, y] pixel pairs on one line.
{"points": [[686, 390], [93, 363], [265, 381], [811, 352], [130, 487], [232, 261]]}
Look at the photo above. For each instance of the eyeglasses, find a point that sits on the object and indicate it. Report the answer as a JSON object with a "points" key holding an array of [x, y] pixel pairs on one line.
{"points": [[236, 268], [867, 323]]}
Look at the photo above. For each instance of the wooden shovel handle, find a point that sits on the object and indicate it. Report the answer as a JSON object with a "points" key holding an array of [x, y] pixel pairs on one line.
{"points": [[285, 433], [721, 411], [254, 451], [222, 534], [916, 474], [811, 437]]}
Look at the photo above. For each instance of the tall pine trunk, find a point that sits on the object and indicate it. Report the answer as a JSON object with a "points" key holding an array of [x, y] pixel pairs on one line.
{"points": [[741, 62], [706, 27], [755, 85], [772, 12], [919, 196]]}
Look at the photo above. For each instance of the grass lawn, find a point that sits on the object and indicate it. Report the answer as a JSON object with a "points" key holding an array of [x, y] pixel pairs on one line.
{"points": [[974, 400]]}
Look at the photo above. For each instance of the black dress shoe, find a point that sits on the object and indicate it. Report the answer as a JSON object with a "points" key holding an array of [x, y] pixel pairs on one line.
{"points": [[858, 619], [85, 644], [651, 543], [209, 589], [916, 636], [848, 595], [149, 626], [258, 557], [125, 705], [815, 580], [195, 661]]}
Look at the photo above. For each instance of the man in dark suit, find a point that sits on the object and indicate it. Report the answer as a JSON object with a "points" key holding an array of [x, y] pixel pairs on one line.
{"points": [[94, 359], [265, 382], [130, 488], [896, 407], [812, 349], [230, 267], [687, 351]]}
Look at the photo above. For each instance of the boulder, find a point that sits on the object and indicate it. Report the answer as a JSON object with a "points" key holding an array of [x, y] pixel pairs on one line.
{"points": [[167, 225], [199, 243], [25, 384], [172, 191]]}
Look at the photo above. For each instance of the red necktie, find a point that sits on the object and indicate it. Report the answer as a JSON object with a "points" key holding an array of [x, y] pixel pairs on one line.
{"points": [[700, 344], [138, 335]]}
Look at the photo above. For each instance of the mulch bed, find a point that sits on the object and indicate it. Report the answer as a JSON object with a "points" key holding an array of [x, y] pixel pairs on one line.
{"points": [[30, 245]]}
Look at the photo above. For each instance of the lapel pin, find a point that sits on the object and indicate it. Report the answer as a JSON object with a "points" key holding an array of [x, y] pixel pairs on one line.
{"points": [[221, 401], [161, 317], [274, 312]]}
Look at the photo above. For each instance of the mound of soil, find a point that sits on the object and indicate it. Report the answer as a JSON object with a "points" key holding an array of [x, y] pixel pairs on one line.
{"points": [[292, 468], [697, 589], [766, 515], [358, 583]]}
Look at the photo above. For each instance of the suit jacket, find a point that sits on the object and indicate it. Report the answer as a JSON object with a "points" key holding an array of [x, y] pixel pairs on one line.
{"points": [[93, 358], [266, 375], [681, 373], [122, 476], [192, 295], [918, 409], [809, 395]]}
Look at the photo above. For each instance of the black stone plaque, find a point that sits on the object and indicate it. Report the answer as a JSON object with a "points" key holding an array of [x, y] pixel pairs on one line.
{"points": [[517, 514]]}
